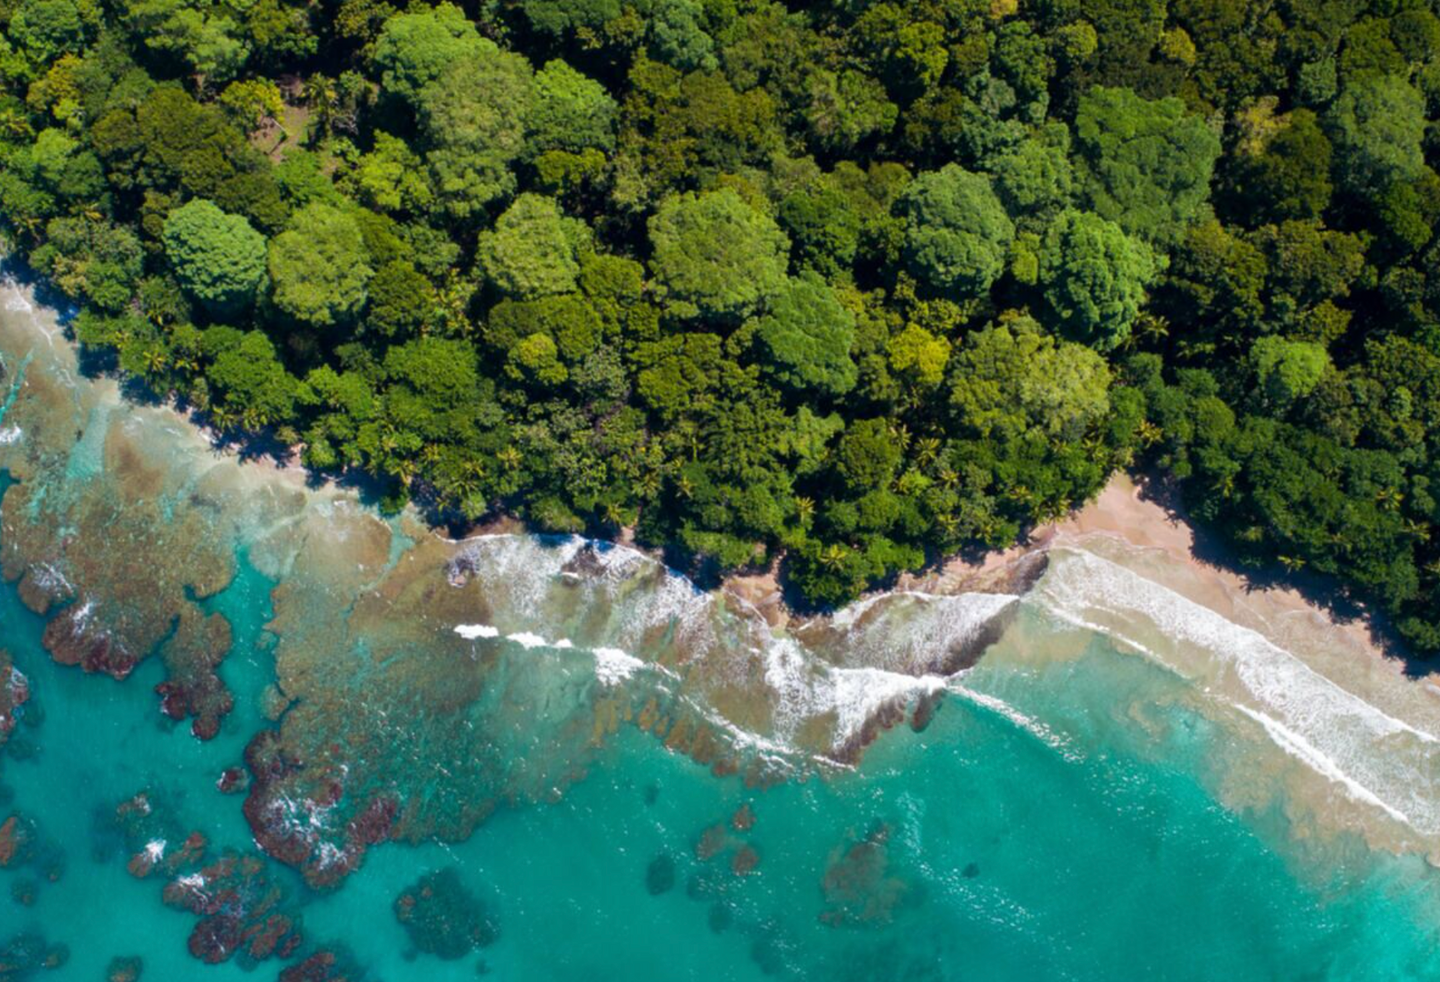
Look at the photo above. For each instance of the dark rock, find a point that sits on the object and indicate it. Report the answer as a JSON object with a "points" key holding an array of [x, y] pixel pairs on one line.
{"points": [[660, 875]]}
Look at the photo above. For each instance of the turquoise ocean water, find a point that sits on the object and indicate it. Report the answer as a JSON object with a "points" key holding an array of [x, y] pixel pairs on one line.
{"points": [[1129, 785]]}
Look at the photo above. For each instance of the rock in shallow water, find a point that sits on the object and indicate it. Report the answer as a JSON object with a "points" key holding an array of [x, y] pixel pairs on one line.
{"points": [[443, 917]]}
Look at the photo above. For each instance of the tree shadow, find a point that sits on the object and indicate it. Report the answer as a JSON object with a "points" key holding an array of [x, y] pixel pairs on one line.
{"points": [[1211, 548]]}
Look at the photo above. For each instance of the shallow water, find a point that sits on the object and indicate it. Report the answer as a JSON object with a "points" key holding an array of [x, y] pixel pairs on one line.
{"points": [[632, 777]]}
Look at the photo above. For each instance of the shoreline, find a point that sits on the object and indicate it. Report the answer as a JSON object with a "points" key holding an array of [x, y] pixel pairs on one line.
{"points": [[1129, 511], [1125, 509]]}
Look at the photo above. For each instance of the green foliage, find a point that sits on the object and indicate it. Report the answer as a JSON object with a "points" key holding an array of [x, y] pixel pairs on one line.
{"points": [[805, 337], [47, 29], [758, 278], [533, 250], [1094, 277], [319, 266], [715, 256], [1013, 378], [218, 258], [1144, 164], [1379, 126], [474, 117], [571, 112], [956, 231], [1289, 370], [415, 49]]}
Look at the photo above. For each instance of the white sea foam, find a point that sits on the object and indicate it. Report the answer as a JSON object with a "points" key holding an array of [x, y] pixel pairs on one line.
{"points": [[911, 631], [472, 631], [804, 688], [526, 639], [613, 666], [1027, 723], [1300, 748], [10, 434], [1387, 762], [155, 850]]}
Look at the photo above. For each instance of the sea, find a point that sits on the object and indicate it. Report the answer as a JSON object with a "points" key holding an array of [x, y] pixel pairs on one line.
{"points": [[252, 728]]}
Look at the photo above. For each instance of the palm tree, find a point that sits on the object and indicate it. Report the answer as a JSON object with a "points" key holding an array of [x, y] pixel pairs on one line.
{"points": [[926, 450], [900, 433], [612, 513], [804, 509], [510, 457], [833, 556], [156, 360], [1419, 530], [1292, 563], [321, 96]]}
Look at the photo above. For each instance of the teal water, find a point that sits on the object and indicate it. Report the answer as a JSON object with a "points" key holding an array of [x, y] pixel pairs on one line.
{"points": [[1095, 800]]}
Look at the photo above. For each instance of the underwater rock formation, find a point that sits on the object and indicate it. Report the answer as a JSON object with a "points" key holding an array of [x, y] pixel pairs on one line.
{"points": [[859, 886], [443, 917], [14, 693], [240, 910]]}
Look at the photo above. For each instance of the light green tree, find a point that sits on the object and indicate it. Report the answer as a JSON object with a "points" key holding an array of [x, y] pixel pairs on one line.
{"points": [[1145, 164], [714, 256], [533, 250], [1288, 370], [217, 257], [319, 266], [414, 49], [571, 112], [1013, 378], [1379, 127], [805, 337]]}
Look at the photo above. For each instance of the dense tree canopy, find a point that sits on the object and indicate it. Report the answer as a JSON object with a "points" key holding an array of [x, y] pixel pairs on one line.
{"points": [[218, 258], [1094, 277], [851, 284], [716, 256]]}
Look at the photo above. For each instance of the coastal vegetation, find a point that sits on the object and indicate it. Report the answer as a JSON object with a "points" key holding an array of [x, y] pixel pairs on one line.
{"points": [[857, 282]]}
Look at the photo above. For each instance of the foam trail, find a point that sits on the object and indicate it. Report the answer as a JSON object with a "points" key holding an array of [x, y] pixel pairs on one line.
{"points": [[1297, 746], [613, 666], [1388, 763], [1028, 723], [472, 631]]}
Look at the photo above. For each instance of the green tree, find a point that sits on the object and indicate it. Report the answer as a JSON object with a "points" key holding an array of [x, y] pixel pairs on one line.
{"points": [[207, 36], [867, 455], [805, 336], [1288, 370], [1094, 277], [534, 250], [1036, 174], [1288, 175], [1379, 126], [1013, 378], [401, 300], [47, 29], [1144, 164], [571, 112], [319, 266], [716, 257], [218, 258], [416, 48], [956, 231], [248, 377], [474, 115]]}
